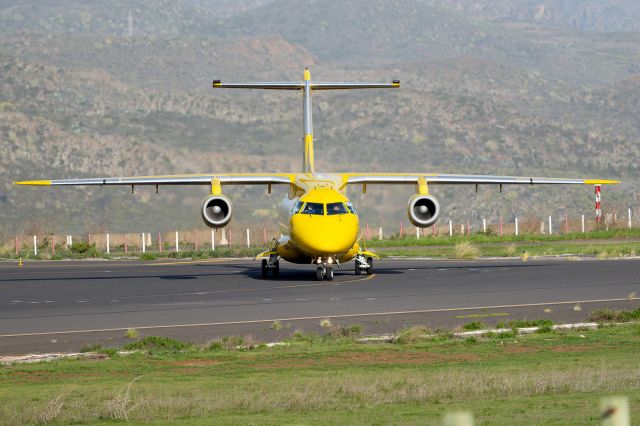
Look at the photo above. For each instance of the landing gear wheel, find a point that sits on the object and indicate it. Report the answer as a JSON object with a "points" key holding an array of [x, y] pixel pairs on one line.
{"points": [[265, 269], [370, 268], [276, 269], [358, 270], [329, 274], [319, 274]]}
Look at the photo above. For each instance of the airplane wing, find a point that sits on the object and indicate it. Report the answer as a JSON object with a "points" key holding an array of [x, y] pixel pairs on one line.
{"points": [[454, 179], [191, 179]]}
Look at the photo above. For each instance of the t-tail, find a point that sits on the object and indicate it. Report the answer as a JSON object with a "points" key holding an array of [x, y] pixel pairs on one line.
{"points": [[307, 87]]}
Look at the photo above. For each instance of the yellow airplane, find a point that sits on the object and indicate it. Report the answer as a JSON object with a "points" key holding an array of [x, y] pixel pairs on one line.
{"points": [[323, 223]]}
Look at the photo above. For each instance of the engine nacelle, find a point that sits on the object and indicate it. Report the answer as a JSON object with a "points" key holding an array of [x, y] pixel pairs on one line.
{"points": [[423, 210], [216, 211]]}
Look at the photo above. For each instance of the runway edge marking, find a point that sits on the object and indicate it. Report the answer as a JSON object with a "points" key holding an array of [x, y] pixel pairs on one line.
{"points": [[425, 311]]}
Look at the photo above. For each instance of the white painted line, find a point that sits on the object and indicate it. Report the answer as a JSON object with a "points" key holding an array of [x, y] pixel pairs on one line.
{"points": [[425, 311]]}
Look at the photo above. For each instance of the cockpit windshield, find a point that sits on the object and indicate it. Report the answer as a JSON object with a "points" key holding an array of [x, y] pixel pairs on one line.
{"points": [[313, 208], [296, 207], [351, 208], [336, 208]]}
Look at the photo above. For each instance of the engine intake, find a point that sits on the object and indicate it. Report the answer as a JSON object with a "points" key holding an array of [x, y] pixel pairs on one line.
{"points": [[216, 211], [423, 210]]}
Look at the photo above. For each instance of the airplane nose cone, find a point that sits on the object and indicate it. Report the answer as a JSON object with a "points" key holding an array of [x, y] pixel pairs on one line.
{"points": [[325, 235]]}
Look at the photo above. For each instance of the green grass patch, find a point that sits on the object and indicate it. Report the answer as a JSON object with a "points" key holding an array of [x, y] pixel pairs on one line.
{"points": [[503, 380], [612, 315]]}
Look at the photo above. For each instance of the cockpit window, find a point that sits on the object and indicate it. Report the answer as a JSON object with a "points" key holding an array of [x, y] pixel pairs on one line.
{"points": [[296, 208], [314, 208], [336, 208], [351, 208]]}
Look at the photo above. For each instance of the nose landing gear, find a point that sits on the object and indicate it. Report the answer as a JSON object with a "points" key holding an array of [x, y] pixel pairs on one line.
{"points": [[273, 265], [325, 269]]}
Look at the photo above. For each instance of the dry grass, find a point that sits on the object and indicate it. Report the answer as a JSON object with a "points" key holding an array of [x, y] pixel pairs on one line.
{"points": [[51, 411], [120, 405], [510, 250], [465, 250]]}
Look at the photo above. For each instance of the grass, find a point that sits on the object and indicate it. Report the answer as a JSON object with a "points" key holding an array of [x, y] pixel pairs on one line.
{"points": [[601, 251], [329, 379]]}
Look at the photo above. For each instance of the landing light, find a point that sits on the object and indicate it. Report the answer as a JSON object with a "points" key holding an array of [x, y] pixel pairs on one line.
{"points": [[329, 260]]}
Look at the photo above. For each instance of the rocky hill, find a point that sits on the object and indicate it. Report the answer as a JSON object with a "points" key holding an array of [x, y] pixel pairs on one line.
{"points": [[484, 90]]}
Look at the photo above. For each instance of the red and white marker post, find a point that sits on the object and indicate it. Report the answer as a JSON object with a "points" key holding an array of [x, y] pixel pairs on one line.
{"points": [[598, 209]]}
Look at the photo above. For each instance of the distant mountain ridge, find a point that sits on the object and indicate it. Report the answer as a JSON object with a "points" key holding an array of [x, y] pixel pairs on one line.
{"points": [[484, 90]]}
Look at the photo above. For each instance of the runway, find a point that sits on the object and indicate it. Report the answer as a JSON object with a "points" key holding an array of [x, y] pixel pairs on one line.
{"points": [[61, 306]]}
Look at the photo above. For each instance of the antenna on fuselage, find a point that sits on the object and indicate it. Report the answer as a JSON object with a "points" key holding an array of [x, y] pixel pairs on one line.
{"points": [[307, 86]]}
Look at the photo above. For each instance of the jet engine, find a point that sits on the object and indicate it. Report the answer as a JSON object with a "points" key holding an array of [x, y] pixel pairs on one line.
{"points": [[216, 211], [423, 210]]}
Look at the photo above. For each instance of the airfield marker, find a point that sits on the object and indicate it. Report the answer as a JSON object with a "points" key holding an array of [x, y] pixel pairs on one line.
{"points": [[583, 224], [213, 239], [550, 228], [159, 241], [144, 246], [516, 226], [468, 229], [35, 245], [177, 246], [566, 224], [417, 233], [248, 239], [484, 225], [108, 243], [501, 227], [629, 217], [450, 228], [615, 411], [380, 233]]}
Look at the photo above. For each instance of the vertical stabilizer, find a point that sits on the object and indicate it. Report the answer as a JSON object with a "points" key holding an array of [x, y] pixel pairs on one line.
{"points": [[306, 86]]}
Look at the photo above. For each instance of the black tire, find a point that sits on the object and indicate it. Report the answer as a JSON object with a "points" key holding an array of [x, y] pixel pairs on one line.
{"points": [[358, 270], [276, 269], [329, 275], [319, 274], [370, 268], [265, 270]]}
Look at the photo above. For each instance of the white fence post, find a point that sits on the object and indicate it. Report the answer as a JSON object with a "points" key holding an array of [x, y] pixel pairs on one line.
{"points": [[35, 245], [582, 224], [380, 233], [177, 246], [108, 244], [248, 239], [144, 243], [484, 225], [417, 233], [450, 227], [550, 229], [629, 217], [213, 240], [516, 226]]}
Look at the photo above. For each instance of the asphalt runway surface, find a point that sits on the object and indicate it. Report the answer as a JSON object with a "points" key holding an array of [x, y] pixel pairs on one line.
{"points": [[62, 306]]}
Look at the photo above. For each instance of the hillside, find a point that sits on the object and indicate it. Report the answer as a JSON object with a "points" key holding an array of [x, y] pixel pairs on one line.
{"points": [[482, 93]]}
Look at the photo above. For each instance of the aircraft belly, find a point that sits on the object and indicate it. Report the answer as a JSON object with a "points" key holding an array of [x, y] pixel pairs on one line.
{"points": [[288, 250]]}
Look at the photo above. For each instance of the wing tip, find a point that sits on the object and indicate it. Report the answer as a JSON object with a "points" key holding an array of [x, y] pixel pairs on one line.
{"points": [[33, 182], [601, 182]]}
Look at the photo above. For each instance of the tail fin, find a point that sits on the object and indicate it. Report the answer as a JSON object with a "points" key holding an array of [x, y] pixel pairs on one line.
{"points": [[307, 86]]}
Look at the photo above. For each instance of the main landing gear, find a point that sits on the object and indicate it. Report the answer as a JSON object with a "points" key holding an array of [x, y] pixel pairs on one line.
{"points": [[364, 265], [272, 264]]}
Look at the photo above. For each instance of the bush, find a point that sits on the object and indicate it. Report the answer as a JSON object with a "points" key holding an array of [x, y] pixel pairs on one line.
{"points": [[353, 330], [465, 250], [157, 342], [609, 315], [412, 334], [147, 256], [544, 329], [81, 249], [475, 325]]}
